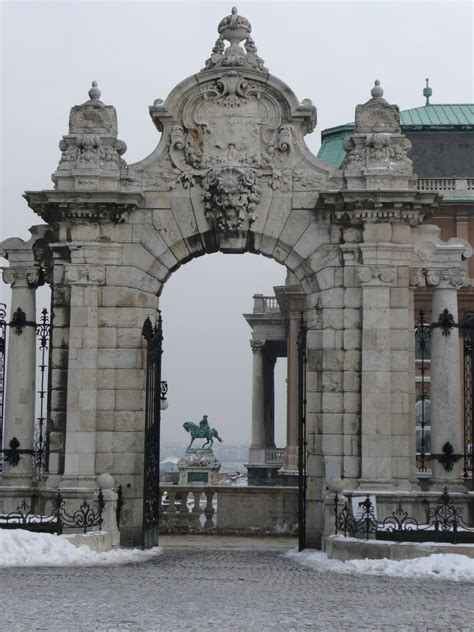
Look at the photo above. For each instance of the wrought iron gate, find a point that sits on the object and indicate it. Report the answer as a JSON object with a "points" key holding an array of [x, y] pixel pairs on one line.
{"points": [[467, 333], [302, 435], [423, 331], [3, 351], [151, 472]]}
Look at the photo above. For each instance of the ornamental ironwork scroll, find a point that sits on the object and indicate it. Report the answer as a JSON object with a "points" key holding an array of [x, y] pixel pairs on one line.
{"points": [[43, 332], [444, 523], [87, 517]]}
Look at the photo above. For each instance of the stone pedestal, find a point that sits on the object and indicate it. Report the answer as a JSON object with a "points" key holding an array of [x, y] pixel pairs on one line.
{"points": [[198, 466]]}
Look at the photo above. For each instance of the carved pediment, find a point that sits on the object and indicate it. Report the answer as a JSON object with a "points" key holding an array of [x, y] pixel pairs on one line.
{"points": [[230, 129]]}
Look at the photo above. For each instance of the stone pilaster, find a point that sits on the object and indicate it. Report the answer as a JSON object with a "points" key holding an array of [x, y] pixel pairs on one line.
{"points": [[20, 393], [257, 448], [445, 375], [376, 430]]}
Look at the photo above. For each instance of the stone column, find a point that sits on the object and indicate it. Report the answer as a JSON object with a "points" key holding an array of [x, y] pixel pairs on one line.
{"points": [[292, 414], [257, 448], [269, 403], [445, 375], [21, 365]]}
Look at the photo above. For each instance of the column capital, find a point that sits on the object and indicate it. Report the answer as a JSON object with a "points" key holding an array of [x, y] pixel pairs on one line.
{"points": [[376, 275], [25, 277], [257, 345], [445, 278]]}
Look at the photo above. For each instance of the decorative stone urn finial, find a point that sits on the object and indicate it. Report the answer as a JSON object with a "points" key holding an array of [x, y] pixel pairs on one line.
{"points": [[94, 92], [234, 28], [377, 90]]}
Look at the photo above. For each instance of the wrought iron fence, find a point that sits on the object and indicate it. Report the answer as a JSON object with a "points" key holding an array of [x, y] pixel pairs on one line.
{"points": [[86, 517], [467, 333], [11, 454], [3, 350], [444, 523], [43, 331], [423, 331]]}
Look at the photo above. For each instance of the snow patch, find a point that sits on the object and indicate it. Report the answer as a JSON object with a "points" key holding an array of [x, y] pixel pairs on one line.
{"points": [[439, 565], [23, 548]]}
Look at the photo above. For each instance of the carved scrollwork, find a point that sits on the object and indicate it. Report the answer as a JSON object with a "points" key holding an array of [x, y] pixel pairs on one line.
{"points": [[376, 275], [445, 278], [84, 275]]}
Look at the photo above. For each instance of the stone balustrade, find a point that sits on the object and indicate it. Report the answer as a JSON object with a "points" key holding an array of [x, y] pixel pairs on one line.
{"points": [[456, 186], [275, 455], [229, 510]]}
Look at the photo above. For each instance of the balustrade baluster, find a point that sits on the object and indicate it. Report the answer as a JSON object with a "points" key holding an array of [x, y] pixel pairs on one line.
{"points": [[209, 511], [195, 522], [183, 512], [171, 512]]}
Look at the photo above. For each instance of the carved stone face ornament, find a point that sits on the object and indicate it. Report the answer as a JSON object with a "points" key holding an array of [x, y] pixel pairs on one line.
{"points": [[230, 197]]}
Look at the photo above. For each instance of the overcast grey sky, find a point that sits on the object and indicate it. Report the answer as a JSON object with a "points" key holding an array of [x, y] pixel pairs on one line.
{"points": [[330, 52]]}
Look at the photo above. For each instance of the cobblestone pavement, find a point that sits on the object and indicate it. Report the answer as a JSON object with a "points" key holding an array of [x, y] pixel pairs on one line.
{"points": [[227, 589]]}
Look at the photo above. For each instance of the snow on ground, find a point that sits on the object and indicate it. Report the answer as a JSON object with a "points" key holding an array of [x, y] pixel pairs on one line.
{"points": [[442, 565], [23, 548]]}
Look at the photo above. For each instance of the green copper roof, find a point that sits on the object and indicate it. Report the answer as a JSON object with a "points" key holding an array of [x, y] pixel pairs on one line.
{"points": [[429, 118], [439, 115]]}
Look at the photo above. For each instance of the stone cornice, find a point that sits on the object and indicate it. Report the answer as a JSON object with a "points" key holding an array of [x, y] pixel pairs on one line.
{"points": [[358, 207], [93, 206]]}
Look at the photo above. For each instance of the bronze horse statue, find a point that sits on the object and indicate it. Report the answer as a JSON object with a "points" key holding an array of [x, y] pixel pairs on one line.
{"points": [[201, 432]]}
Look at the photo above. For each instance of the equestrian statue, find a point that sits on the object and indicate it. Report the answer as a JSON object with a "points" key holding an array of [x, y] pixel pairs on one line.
{"points": [[201, 431]]}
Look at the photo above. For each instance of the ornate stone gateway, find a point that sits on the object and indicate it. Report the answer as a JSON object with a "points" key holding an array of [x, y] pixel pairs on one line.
{"points": [[232, 173]]}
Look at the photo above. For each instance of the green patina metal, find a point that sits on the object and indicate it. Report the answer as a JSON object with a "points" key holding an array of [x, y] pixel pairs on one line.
{"points": [[201, 431], [198, 477]]}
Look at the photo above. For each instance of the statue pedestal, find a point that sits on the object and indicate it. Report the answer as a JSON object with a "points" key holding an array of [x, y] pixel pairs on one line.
{"points": [[198, 466]]}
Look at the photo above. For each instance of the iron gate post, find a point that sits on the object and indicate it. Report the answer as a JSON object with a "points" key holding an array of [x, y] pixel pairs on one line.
{"points": [[302, 434], [151, 466]]}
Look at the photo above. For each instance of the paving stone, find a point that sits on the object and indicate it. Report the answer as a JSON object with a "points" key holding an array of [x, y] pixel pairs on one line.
{"points": [[227, 589]]}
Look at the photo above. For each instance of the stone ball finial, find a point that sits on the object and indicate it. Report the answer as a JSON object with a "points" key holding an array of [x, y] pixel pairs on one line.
{"points": [[336, 485], [234, 11], [94, 92], [105, 481], [377, 90]]}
